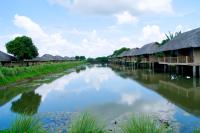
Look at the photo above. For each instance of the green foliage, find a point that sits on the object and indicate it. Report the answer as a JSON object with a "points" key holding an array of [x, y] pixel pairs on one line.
{"points": [[103, 60], [118, 52], [80, 58], [142, 124], [25, 124], [169, 37], [91, 60], [22, 48], [15, 74], [86, 123]]}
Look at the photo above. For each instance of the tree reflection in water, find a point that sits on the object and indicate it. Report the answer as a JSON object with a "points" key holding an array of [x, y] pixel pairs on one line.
{"points": [[28, 103]]}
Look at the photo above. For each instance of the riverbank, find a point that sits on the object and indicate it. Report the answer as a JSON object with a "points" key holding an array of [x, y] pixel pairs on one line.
{"points": [[12, 75]]}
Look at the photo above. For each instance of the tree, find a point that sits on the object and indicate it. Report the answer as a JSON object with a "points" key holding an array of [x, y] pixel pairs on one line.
{"points": [[169, 37], [119, 51], [22, 48], [102, 60], [80, 58]]}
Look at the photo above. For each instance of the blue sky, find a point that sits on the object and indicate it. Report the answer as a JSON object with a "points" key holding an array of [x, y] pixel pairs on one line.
{"points": [[94, 27]]}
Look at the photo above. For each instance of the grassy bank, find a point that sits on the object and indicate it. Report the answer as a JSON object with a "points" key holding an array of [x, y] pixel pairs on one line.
{"points": [[11, 75]]}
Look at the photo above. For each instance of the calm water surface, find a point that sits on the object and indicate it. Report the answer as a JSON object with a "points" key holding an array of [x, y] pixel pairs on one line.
{"points": [[112, 93]]}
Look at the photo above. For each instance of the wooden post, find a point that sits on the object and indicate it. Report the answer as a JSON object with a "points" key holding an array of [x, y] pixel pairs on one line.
{"points": [[199, 72], [194, 83], [165, 68], [177, 69], [186, 59], [194, 71], [182, 70]]}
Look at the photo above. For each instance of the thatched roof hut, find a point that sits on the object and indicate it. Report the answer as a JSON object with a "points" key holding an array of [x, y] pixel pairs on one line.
{"points": [[66, 58], [190, 39], [58, 58], [123, 54], [48, 57], [45, 57], [150, 48], [133, 51], [5, 57]]}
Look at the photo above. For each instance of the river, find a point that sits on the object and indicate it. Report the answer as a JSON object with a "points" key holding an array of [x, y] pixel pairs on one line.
{"points": [[111, 93]]}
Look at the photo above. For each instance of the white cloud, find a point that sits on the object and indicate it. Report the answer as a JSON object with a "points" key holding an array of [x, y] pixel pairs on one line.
{"points": [[56, 44], [114, 6], [156, 6], [126, 18], [64, 3], [152, 33]]}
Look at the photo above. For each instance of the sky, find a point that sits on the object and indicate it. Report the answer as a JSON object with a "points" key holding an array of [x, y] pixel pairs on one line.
{"points": [[94, 27]]}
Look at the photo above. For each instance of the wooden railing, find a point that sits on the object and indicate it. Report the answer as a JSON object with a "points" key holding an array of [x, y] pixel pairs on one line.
{"points": [[179, 59]]}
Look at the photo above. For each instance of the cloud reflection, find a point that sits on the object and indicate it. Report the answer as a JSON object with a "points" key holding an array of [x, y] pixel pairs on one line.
{"points": [[130, 98], [91, 78]]}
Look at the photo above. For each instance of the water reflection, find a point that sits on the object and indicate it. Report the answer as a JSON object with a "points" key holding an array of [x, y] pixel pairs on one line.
{"points": [[27, 104], [183, 92]]}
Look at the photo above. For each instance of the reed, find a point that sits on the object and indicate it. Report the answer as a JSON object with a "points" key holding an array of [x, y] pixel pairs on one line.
{"points": [[86, 123], [142, 124], [25, 124]]}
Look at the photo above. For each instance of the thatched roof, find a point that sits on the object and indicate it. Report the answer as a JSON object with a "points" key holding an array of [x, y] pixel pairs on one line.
{"points": [[133, 51], [48, 57], [190, 39], [58, 58], [6, 57], [45, 57], [147, 49], [66, 58], [123, 54]]}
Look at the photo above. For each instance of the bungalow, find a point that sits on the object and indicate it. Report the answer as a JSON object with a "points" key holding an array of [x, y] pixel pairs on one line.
{"points": [[182, 50], [6, 59], [123, 57], [146, 54]]}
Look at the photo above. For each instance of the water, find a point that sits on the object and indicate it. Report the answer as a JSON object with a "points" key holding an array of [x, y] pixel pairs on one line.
{"points": [[111, 93]]}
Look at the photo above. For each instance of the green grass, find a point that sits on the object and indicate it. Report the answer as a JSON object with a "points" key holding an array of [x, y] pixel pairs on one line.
{"points": [[142, 124], [86, 123], [11, 75], [25, 124]]}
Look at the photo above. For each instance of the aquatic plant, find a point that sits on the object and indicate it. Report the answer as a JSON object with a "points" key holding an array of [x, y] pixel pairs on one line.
{"points": [[25, 124], [142, 124], [86, 123]]}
